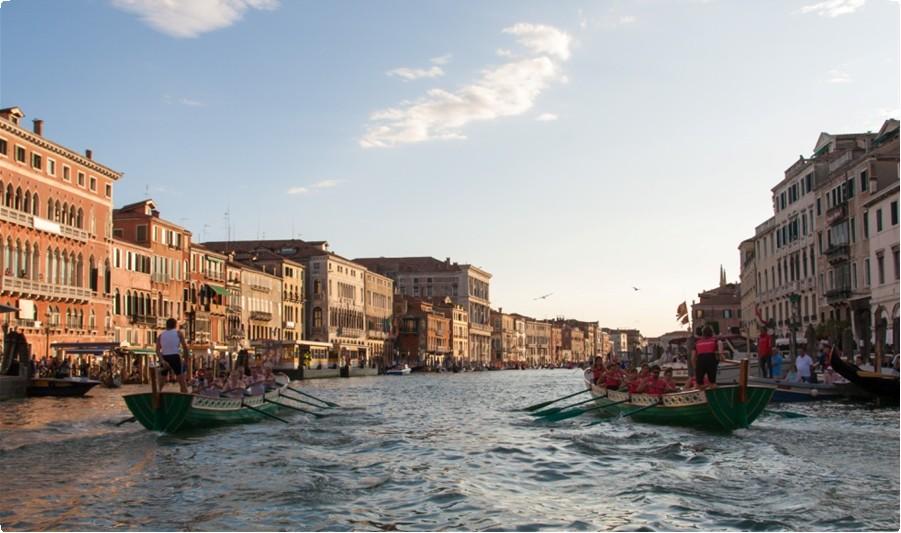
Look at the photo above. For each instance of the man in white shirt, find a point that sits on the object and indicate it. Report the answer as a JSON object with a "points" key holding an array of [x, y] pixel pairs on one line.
{"points": [[804, 363]]}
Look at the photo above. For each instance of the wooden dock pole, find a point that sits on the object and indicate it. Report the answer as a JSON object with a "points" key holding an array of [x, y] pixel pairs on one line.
{"points": [[743, 381]]}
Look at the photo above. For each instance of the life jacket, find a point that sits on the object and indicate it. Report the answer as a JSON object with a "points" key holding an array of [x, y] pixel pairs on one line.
{"points": [[705, 345], [612, 380]]}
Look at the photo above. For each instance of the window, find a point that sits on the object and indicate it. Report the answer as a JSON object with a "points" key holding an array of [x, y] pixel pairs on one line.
{"points": [[878, 220], [20, 154], [36, 161], [895, 257], [51, 167], [851, 229], [67, 173], [854, 276], [108, 190], [880, 268], [866, 272], [864, 185], [93, 183], [140, 234], [81, 179], [894, 213], [3, 147], [866, 224], [819, 209]]}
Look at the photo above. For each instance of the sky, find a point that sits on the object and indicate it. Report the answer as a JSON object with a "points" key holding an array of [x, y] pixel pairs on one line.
{"points": [[579, 148]]}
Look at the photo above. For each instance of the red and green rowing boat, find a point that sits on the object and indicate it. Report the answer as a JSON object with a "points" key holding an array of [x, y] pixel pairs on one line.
{"points": [[724, 408]]}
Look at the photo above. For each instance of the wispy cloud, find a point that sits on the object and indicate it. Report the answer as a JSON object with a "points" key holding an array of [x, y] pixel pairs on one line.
{"points": [[1, 2], [505, 90], [839, 76], [190, 18], [183, 100], [833, 8], [441, 60], [504, 52], [321, 184], [409, 74], [546, 117], [627, 19]]}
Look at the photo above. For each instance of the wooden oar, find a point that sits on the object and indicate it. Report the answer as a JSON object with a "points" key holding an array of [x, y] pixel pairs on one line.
{"points": [[580, 411], [317, 415], [785, 414], [263, 412], [326, 402], [554, 410], [298, 400], [126, 421], [640, 409], [545, 404]]}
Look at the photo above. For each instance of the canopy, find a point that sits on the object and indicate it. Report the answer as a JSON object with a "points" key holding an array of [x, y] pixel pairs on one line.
{"points": [[7, 309], [218, 290]]}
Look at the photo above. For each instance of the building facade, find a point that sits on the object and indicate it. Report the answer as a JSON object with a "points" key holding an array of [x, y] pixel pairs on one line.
{"points": [[423, 334], [883, 264], [55, 226], [379, 310]]}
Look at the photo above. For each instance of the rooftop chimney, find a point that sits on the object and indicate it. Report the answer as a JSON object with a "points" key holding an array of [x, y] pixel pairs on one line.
{"points": [[447, 260], [38, 127], [89, 154]]}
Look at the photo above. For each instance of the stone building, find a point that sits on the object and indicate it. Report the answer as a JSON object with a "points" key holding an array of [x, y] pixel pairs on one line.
{"points": [[719, 308], [292, 294], [379, 310], [427, 277], [55, 228], [882, 276], [555, 343], [748, 286], [261, 305], [423, 334], [206, 301], [134, 323], [459, 332]]}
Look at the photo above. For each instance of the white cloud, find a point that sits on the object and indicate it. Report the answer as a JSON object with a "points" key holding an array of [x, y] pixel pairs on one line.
{"points": [[441, 60], [583, 21], [326, 184], [627, 19], [838, 76], [1, 2], [504, 52], [542, 39], [416, 73], [298, 190], [505, 90], [546, 117], [190, 18], [190, 102], [833, 8]]}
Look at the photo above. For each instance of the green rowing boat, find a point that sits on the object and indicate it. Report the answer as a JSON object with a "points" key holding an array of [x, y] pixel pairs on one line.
{"points": [[180, 412], [719, 409]]}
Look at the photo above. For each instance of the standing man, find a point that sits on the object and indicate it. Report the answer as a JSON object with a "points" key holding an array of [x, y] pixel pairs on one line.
{"points": [[804, 363], [764, 348], [705, 358], [167, 349]]}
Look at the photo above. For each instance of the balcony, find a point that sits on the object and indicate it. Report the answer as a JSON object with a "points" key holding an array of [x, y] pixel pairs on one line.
{"points": [[291, 296], [142, 320], [159, 277], [839, 294], [262, 316], [376, 334], [838, 253], [233, 309], [288, 324], [349, 332], [30, 221], [837, 213], [28, 287], [259, 288]]}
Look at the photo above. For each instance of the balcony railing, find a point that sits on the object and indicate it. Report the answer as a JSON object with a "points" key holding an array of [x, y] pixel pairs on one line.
{"points": [[836, 213], [349, 332], [159, 277], [291, 296], [142, 320], [30, 221], [233, 309], [28, 287], [259, 288], [839, 294], [260, 315], [838, 253]]}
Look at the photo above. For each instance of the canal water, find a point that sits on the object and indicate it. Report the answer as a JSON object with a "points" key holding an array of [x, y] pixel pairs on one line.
{"points": [[445, 452]]}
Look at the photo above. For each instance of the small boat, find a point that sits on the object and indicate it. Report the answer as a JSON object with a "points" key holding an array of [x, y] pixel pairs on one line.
{"points": [[884, 386], [398, 371], [786, 391], [718, 409], [60, 386], [179, 412]]}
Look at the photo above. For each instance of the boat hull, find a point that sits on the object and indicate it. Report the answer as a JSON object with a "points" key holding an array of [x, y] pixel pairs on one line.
{"points": [[182, 412], [885, 387], [809, 392], [64, 387], [718, 409]]}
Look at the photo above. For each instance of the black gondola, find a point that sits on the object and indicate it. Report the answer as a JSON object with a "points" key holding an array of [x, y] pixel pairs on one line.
{"points": [[60, 386], [884, 386]]}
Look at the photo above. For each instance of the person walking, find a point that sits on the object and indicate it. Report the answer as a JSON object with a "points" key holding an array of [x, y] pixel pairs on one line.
{"points": [[705, 358], [804, 364], [167, 349]]}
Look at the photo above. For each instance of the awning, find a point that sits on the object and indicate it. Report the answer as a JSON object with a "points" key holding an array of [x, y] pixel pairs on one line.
{"points": [[97, 347], [218, 290]]}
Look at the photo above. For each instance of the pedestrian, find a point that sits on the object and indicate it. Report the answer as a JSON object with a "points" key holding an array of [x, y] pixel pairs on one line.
{"points": [[167, 349], [705, 358], [777, 365], [765, 353]]}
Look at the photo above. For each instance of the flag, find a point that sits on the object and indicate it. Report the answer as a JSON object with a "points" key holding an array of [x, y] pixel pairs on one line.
{"points": [[685, 319], [682, 311]]}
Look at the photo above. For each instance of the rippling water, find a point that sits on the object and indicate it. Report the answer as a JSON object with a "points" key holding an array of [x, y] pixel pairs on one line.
{"points": [[445, 451]]}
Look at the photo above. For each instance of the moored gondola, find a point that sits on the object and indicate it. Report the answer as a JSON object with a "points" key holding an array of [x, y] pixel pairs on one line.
{"points": [[885, 387]]}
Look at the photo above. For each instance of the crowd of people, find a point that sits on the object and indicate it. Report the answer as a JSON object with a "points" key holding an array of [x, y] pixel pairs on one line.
{"points": [[89, 367], [645, 380], [247, 378]]}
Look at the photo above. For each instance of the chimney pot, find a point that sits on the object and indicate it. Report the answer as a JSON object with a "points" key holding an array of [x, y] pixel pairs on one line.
{"points": [[38, 127], [89, 154]]}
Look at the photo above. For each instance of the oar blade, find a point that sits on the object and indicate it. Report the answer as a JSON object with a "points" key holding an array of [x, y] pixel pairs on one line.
{"points": [[538, 406], [572, 413], [547, 412]]}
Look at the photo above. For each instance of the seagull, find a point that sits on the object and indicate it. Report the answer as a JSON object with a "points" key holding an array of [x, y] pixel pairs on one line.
{"points": [[635, 289], [543, 297]]}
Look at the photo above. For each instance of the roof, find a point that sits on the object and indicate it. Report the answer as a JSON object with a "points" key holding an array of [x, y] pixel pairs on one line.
{"points": [[407, 264], [295, 249]]}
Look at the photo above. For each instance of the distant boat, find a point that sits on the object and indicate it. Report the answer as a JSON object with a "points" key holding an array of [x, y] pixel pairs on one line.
{"points": [[60, 386], [398, 371], [806, 392], [884, 386]]}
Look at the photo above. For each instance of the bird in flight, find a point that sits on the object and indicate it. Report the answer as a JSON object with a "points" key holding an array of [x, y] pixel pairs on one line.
{"points": [[635, 289], [543, 297]]}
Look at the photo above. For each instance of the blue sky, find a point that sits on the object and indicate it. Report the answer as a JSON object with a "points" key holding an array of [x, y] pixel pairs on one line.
{"points": [[579, 148]]}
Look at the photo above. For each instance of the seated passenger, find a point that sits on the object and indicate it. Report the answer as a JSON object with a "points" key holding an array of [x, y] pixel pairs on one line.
{"points": [[597, 370], [234, 387], [614, 377], [661, 385], [639, 384]]}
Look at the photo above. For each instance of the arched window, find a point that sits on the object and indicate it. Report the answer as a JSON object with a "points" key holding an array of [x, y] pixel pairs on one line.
{"points": [[79, 272], [50, 209], [8, 257], [17, 260], [64, 215], [18, 200], [26, 204], [117, 304], [107, 278], [79, 219], [72, 216], [92, 320], [317, 318], [35, 205], [35, 262], [26, 260], [9, 195], [57, 212], [128, 310], [93, 273], [57, 274]]}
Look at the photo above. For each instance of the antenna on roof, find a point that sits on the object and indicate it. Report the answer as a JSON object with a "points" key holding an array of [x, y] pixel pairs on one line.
{"points": [[146, 191]]}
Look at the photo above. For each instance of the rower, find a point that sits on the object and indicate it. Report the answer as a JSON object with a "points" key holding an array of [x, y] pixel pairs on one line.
{"points": [[705, 358]]}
